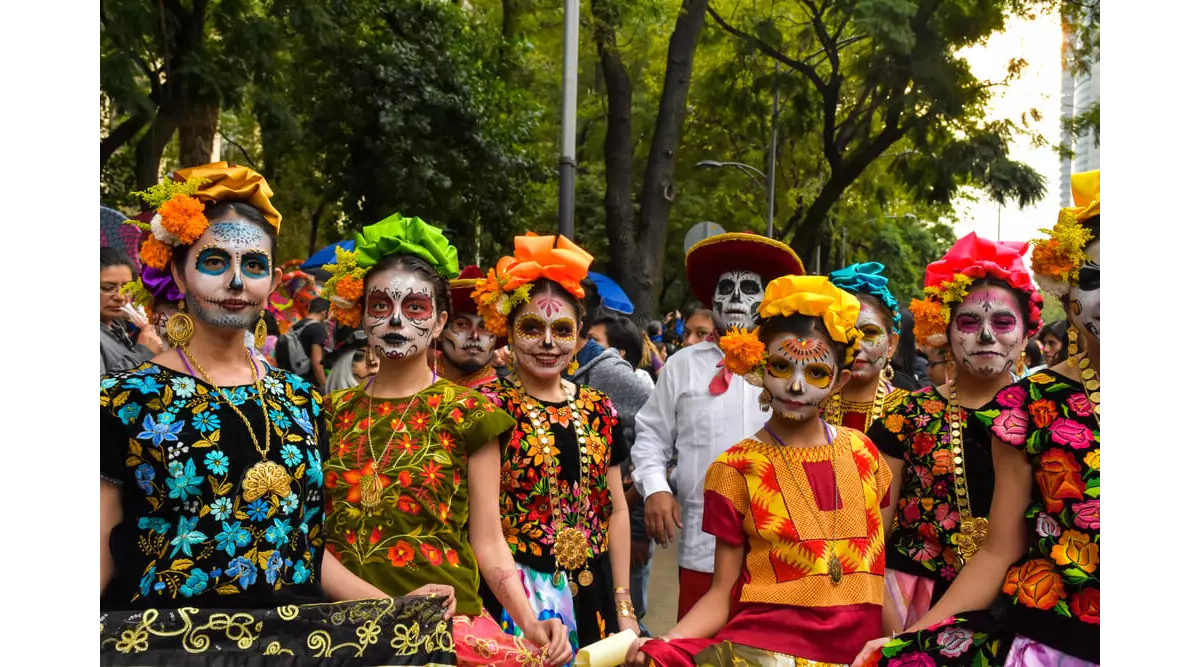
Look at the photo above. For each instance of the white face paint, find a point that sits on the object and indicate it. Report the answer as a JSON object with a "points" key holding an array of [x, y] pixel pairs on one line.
{"points": [[801, 372], [466, 342], [544, 333], [737, 298], [987, 332], [400, 315], [872, 355], [227, 276], [1083, 300]]}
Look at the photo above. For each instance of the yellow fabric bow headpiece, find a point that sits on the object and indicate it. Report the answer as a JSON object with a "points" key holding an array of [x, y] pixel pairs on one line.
{"points": [[226, 183], [814, 296], [551, 257], [1057, 258]]}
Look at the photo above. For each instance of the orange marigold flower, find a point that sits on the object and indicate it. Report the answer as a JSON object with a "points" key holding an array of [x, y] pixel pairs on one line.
{"points": [[155, 253], [349, 289], [743, 351], [1052, 259], [347, 316], [183, 216], [928, 319]]}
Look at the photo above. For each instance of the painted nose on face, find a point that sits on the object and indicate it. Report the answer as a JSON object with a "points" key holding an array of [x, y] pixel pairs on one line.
{"points": [[797, 386], [986, 335], [235, 283], [547, 341]]}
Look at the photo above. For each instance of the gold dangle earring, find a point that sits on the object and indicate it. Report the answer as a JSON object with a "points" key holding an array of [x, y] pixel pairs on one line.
{"points": [[260, 330], [180, 327], [764, 401], [573, 367], [1072, 347], [888, 372]]}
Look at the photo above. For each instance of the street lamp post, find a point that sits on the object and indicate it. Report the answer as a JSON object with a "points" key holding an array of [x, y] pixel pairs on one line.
{"points": [[566, 163]]}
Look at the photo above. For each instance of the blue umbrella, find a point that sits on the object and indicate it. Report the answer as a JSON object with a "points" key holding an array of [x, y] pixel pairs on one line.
{"points": [[612, 296], [326, 255]]}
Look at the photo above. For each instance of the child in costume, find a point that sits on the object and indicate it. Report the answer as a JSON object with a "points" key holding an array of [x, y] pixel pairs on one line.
{"points": [[796, 509], [414, 467]]}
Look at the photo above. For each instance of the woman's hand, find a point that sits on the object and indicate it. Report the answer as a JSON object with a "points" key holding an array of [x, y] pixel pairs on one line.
{"points": [[634, 657], [437, 590], [869, 650], [626, 623], [551, 635]]}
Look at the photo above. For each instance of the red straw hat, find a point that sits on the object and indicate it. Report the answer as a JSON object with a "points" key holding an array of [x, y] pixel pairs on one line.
{"points": [[737, 251]]}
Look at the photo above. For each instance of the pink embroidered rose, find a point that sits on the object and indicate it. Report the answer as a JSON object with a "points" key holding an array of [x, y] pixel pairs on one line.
{"points": [[1087, 515], [946, 518], [1011, 426], [1047, 526], [1070, 433], [1011, 396], [1079, 404], [924, 477], [911, 512], [953, 642], [912, 660]]}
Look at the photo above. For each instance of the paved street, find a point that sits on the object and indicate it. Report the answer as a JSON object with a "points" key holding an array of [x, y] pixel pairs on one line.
{"points": [[663, 598]]}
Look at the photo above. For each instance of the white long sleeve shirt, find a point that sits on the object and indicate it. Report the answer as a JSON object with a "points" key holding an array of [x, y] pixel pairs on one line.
{"points": [[682, 415]]}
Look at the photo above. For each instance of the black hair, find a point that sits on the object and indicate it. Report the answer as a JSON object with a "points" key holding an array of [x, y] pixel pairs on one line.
{"points": [[654, 329], [1021, 296], [214, 210], [698, 309], [547, 286], [623, 335], [1057, 329], [905, 358], [417, 265], [114, 257], [1033, 354], [802, 325], [591, 305], [318, 306]]}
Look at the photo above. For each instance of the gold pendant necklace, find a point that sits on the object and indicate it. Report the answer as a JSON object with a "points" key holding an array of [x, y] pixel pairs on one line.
{"points": [[571, 548], [265, 477], [972, 529], [834, 410], [832, 561], [371, 485]]}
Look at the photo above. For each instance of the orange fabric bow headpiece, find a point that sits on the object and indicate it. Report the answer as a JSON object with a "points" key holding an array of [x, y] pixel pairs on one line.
{"points": [[552, 257]]}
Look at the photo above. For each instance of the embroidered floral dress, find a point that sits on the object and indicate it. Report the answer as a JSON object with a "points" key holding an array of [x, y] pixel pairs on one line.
{"points": [[1051, 597], [915, 428], [526, 505], [215, 560], [780, 504]]}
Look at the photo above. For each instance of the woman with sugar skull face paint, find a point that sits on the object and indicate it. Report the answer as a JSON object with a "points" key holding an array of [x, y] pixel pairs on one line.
{"points": [[1039, 569], [981, 309], [212, 494], [466, 343], [870, 388], [564, 513], [796, 508], [415, 463]]}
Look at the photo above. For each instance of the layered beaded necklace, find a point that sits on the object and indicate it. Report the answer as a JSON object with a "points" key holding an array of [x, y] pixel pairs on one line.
{"points": [[834, 409]]}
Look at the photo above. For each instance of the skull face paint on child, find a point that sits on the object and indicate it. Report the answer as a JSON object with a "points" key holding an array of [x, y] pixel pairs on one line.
{"points": [[737, 298], [801, 373], [872, 355], [987, 332], [1083, 299], [400, 316], [228, 274], [544, 334], [467, 343]]}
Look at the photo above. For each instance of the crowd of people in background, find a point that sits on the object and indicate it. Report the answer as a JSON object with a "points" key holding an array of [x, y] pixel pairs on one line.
{"points": [[848, 480]]}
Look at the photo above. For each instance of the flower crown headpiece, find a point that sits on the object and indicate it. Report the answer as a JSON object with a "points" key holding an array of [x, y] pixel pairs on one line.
{"points": [[1058, 258], [814, 296], [507, 285], [948, 280], [393, 235], [179, 205], [868, 278]]}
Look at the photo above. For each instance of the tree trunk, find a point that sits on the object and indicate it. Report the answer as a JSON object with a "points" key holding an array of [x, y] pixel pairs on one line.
{"points": [[150, 148], [198, 132], [121, 135], [510, 13], [658, 185]]}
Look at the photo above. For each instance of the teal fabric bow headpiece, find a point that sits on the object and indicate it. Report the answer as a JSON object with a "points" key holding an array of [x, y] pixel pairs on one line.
{"points": [[868, 278]]}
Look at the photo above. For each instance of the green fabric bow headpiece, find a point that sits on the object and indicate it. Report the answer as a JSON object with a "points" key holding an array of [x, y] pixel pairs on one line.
{"points": [[410, 236]]}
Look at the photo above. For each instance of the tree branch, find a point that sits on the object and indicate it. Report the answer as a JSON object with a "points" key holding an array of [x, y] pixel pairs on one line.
{"points": [[245, 154], [805, 69], [121, 135]]}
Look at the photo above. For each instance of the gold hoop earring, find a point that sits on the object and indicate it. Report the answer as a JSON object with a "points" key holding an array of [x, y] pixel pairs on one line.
{"points": [[180, 327], [1072, 347], [260, 330]]}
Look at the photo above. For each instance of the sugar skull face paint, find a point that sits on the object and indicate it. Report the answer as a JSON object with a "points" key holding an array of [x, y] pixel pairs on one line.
{"points": [[1083, 300], [801, 373], [737, 298], [987, 332], [400, 316], [544, 333], [467, 343], [228, 274], [874, 346]]}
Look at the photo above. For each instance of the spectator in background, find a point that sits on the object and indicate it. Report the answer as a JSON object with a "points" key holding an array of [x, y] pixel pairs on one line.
{"points": [[118, 352], [699, 325], [621, 334], [940, 365], [1031, 360], [350, 363], [1052, 338], [912, 368], [312, 334], [654, 331]]}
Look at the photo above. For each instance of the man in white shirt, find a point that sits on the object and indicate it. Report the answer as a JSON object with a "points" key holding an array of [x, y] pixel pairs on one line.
{"points": [[698, 409]]}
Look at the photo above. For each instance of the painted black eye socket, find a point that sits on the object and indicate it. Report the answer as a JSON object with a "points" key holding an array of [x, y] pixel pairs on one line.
{"points": [[1089, 279], [725, 287], [750, 287]]}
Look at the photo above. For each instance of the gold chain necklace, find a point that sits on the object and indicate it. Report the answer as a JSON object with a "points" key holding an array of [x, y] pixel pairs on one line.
{"points": [[834, 410], [1091, 382], [370, 485], [833, 563], [972, 530], [571, 548], [265, 476]]}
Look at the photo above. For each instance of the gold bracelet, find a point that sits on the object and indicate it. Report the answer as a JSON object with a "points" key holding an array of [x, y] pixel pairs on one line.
{"points": [[625, 609], [621, 591]]}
